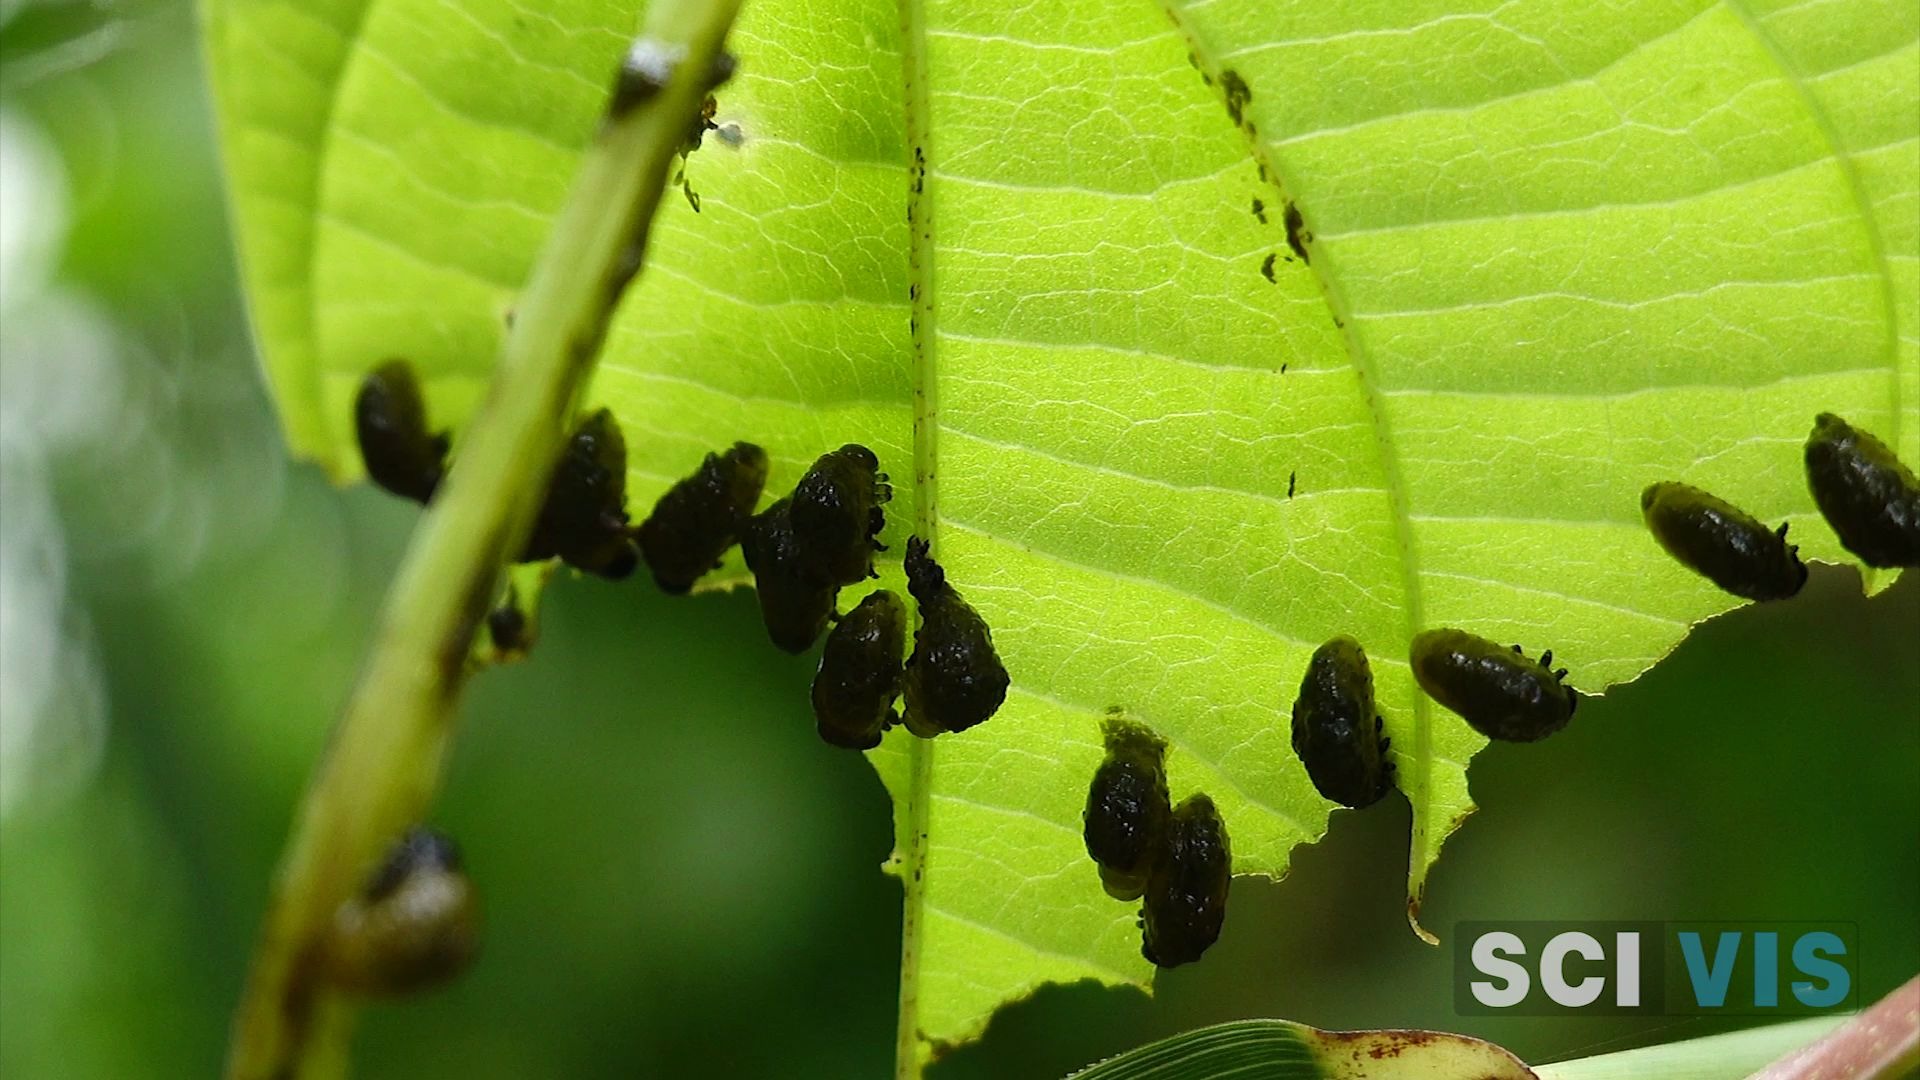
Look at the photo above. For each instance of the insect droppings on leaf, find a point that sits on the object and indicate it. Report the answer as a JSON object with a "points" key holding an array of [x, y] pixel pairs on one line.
{"points": [[1336, 727], [1266, 267], [1867, 494], [1499, 692], [1238, 95], [390, 419], [860, 672], [1125, 820], [1723, 543], [1260, 210], [1297, 234], [1186, 897], [837, 513], [954, 677], [584, 518], [796, 598], [414, 925], [700, 517]]}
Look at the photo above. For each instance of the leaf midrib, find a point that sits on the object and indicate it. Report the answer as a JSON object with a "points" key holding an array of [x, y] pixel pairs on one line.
{"points": [[1419, 785], [1856, 189], [913, 72]]}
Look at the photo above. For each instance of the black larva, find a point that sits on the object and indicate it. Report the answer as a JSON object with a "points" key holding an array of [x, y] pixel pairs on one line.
{"points": [[1867, 495], [1722, 542], [700, 517], [584, 518], [1186, 897], [414, 925], [1499, 692], [954, 677], [1336, 730], [1125, 822], [860, 672], [796, 599], [837, 513], [390, 420]]}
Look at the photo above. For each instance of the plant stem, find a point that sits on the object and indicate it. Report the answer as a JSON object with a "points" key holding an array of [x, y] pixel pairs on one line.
{"points": [[908, 1043], [1714, 1057], [383, 764]]}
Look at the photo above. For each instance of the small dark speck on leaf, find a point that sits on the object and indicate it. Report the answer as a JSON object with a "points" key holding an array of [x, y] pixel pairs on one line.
{"points": [[1266, 267], [1291, 477], [1297, 235], [1260, 211], [1238, 94]]}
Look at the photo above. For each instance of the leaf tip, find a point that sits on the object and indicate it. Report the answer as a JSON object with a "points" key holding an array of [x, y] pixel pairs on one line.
{"points": [[1413, 920]]}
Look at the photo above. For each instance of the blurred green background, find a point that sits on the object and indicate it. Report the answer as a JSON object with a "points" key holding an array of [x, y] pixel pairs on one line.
{"points": [[679, 878]]}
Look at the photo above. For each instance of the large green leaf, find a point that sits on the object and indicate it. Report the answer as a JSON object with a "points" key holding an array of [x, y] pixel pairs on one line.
{"points": [[1559, 249]]}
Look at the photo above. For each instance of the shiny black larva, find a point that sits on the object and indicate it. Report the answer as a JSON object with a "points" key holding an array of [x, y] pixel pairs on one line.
{"points": [[1867, 495], [584, 518], [954, 678], [1125, 821], [837, 513], [1336, 729], [796, 600], [700, 517], [860, 672], [1722, 542], [414, 925], [1186, 898], [390, 421], [1498, 691], [804, 547]]}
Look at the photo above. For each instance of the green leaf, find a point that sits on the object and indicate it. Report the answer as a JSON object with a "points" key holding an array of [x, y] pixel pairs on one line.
{"points": [[1558, 251], [1283, 1050]]}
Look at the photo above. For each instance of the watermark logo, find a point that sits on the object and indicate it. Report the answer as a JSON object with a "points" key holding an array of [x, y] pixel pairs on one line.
{"points": [[1673, 969]]}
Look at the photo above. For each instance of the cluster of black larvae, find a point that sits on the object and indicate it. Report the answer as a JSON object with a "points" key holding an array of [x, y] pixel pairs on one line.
{"points": [[413, 925], [1868, 497], [1499, 692], [583, 520], [1176, 860], [805, 548], [809, 545], [802, 550]]}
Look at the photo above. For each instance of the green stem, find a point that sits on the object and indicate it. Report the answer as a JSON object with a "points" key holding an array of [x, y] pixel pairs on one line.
{"points": [[1715, 1057], [908, 1045], [384, 762]]}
